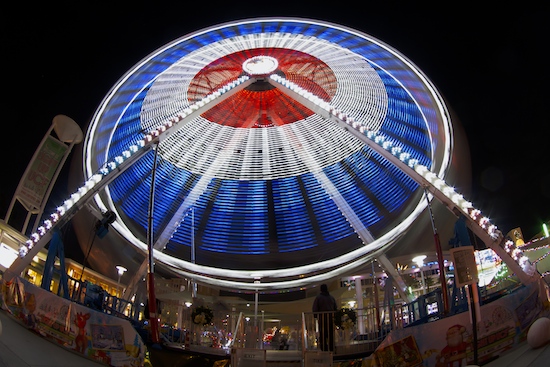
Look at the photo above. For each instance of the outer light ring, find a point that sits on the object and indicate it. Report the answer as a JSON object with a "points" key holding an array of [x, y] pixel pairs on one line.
{"points": [[115, 109]]}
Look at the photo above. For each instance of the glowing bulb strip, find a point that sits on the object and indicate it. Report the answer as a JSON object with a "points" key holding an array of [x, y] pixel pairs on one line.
{"points": [[517, 254], [449, 193], [111, 169], [331, 112]]}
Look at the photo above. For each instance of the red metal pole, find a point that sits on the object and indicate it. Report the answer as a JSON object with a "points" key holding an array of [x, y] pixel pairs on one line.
{"points": [[440, 260], [153, 317], [442, 278]]}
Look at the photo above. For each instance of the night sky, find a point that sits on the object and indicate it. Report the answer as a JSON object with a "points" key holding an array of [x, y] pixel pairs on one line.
{"points": [[488, 63]]}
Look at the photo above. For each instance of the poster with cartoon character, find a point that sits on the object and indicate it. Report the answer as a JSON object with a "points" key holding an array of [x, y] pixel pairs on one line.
{"points": [[448, 342], [93, 334], [454, 354]]}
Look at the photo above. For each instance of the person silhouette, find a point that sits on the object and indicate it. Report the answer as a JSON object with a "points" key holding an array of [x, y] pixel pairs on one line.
{"points": [[324, 307]]}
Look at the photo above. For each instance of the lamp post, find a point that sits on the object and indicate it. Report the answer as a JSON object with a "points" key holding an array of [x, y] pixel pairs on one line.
{"points": [[121, 270], [187, 315], [419, 260]]}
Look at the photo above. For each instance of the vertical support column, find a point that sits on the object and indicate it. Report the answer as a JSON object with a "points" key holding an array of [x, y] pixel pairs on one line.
{"points": [[179, 319], [55, 250], [360, 306], [256, 326], [473, 297], [153, 317], [400, 284], [193, 254], [376, 300]]}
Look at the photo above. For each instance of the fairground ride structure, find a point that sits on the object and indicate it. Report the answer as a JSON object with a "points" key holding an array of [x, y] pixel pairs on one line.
{"points": [[268, 155]]}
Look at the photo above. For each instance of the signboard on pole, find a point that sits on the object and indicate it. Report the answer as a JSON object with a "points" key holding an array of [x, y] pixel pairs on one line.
{"points": [[466, 275], [465, 265], [35, 184]]}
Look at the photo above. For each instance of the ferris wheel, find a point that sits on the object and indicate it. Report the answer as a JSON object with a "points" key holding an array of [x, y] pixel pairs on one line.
{"points": [[252, 137], [260, 185]]}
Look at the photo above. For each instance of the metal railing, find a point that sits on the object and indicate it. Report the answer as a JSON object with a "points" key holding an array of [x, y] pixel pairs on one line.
{"points": [[370, 326]]}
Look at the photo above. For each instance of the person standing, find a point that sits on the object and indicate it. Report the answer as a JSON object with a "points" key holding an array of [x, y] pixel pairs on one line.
{"points": [[324, 307]]}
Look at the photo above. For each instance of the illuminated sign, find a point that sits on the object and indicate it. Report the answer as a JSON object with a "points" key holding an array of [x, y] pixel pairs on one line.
{"points": [[7, 256]]}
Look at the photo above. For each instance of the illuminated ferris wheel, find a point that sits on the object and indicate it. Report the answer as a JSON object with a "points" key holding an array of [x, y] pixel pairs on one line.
{"points": [[252, 178], [269, 154]]}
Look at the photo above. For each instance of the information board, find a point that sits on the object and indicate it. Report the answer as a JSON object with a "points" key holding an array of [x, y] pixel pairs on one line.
{"points": [[465, 265]]}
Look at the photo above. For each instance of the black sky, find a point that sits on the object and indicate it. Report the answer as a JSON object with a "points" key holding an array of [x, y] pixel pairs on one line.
{"points": [[489, 63]]}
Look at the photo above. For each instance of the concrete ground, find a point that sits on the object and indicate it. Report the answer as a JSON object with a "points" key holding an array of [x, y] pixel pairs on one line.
{"points": [[20, 347], [523, 356]]}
